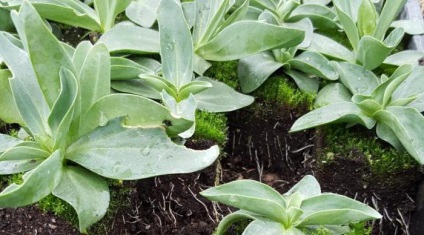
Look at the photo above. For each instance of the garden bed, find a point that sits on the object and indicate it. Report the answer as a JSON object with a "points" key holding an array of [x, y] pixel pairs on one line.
{"points": [[258, 147]]}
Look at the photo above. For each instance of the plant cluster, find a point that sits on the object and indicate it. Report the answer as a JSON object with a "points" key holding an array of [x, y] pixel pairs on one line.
{"points": [[113, 110]]}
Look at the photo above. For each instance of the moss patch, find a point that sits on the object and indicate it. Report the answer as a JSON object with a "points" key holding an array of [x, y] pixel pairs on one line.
{"points": [[211, 126], [225, 72], [381, 157]]}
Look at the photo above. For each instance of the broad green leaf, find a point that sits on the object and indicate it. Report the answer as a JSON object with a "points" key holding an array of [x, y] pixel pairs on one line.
{"points": [[314, 64], [385, 133], [185, 108], [68, 12], [208, 13], [269, 227], [408, 125], [328, 47], [221, 98], [333, 209], [255, 69], [333, 113], [9, 112], [411, 27], [159, 84], [321, 16], [136, 87], [367, 18], [94, 77], [264, 4], [235, 16], [139, 111], [22, 157], [305, 83], [137, 40], [7, 141], [80, 54], [308, 187], [119, 152], [235, 41], [29, 99], [320, 2], [356, 78], [189, 9], [108, 10], [38, 183], [389, 12], [384, 91], [246, 195], [404, 57], [64, 109], [176, 48], [305, 25], [193, 87], [348, 23], [143, 12], [367, 104], [86, 192], [331, 94], [126, 69], [200, 65], [349, 7], [412, 87], [372, 52], [45, 52]]}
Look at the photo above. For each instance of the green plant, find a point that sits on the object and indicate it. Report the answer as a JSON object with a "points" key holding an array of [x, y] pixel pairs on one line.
{"points": [[176, 85], [302, 210], [366, 29], [300, 66], [76, 13], [81, 133], [217, 34], [211, 126], [392, 104]]}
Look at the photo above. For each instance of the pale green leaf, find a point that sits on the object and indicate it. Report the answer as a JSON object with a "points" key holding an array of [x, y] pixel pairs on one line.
{"points": [[108, 10], [10, 112], [209, 13], [333, 113], [136, 87], [29, 99], [321, 16], [268, 227], [314, 64], [68, 12], [119, 152], [305, 82], [356, 78], [411, 27], [367, 18], [137, 40], [254, 70], [246, 195], [385, 133], [86, 192], [139, 111], [7, 141], [229, 219], [176, 47], [389, 12], [333, 209], [328, 47], [45, 52], [221, 98], [308, 187], [404, 57], [331, 94], [347, 20], [126, 69], [235, 41], [22, 157], [38, 183], [408, 125], [372, 52], [143, 12]]}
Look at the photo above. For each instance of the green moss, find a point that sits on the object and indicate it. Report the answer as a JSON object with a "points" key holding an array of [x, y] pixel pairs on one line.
{"points": [[279, 89], [381, 157], [225, 72], [356, 229], [58, 207], [211, 126]]}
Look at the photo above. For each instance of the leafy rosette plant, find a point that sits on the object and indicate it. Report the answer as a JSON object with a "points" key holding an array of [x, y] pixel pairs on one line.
{"points": [[175, 84], [218, 33], [392, 104], [79, 132], [76, 13], [366, 30], [302, 210], [294, 61]]}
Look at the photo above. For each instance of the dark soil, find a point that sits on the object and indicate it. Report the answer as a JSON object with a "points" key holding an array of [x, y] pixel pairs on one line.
{"points": [[258, 148]]}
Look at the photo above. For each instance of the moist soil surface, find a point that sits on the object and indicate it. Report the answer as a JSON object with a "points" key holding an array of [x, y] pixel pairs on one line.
{"points": [[260, 148]]}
